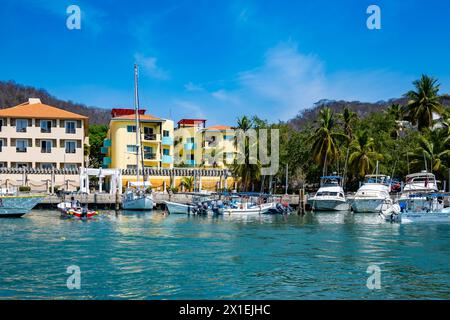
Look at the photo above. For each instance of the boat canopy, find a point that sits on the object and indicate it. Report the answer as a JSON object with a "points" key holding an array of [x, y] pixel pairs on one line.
{"points": [[331, 177]]}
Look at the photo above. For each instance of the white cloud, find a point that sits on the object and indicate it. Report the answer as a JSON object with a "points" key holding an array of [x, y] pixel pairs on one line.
{"points": [[192, 87], [150, 67], [190, 109]]}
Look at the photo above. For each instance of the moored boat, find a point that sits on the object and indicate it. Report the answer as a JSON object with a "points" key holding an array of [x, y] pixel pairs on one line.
{"points": [[421, 208], [373, 195], [330, 196], [14, 206]]}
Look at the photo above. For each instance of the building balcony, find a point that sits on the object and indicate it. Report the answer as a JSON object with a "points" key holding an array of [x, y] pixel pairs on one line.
{"points": [[107, 143], [167, 159], [151, 137], [149, 156], [106, 161], [167, 141], [104, 150], [190, 146]]}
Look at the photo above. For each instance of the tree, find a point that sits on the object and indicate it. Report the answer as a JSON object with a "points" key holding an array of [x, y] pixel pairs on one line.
{"points": [[348, 118], [246, 166], [188, 183], [423, 102], [432, 149], [97, 133], [324, 148], [363, 157], [396, 111]]}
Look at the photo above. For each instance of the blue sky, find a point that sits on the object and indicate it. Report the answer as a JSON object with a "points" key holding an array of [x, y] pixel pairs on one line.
{"points": [[222, 59]]}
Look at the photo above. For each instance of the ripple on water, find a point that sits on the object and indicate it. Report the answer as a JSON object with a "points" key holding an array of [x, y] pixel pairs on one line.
{"points": [[152, 256]]}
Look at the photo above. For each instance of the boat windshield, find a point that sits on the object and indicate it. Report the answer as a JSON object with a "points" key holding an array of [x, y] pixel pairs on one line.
{"points": [[329, 194], [376, 179]]}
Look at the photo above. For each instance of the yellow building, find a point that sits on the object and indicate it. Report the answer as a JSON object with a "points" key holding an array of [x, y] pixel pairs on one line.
{"points": [[199, 146], [218, 146], [120, 146]]}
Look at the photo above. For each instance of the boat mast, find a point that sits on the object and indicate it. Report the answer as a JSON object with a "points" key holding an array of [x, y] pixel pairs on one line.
{"points": [[136, 114]]}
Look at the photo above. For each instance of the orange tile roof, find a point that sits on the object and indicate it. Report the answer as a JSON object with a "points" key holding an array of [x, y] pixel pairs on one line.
{"points": [[219, 128], [141, 117], [39, 111]]}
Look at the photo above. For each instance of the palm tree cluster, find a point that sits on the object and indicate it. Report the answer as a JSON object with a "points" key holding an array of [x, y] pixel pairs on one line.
{"points": [[403, 139]]}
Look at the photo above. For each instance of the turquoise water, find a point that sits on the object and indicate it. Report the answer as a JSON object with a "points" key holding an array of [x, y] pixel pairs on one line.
{"points": [[153, 256]]}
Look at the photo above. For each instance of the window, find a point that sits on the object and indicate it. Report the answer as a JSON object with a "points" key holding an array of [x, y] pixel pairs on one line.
{"points": [[46, 126], [47, 165], [21, 125], [70, 126], [70, 166], [166, 133], [1, 124], [148, 153], [189, 140], [131, 128], [166, 152], [132, 148], [21, 165], [1, 145], [190, 157], [148, 134], [46, 146], [21, 145], [131, 166], [71, 146]]}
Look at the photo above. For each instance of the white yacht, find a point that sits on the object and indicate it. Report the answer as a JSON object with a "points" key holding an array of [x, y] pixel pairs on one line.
{"points": [[373, 195], [330, 196], [418, 183]]}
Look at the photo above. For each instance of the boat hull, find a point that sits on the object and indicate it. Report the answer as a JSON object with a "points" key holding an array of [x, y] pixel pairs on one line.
{"points": [[142, 203], [368, 205], [178, 208], [329, 205], [17, 206], [259, 209], [425, 217]]}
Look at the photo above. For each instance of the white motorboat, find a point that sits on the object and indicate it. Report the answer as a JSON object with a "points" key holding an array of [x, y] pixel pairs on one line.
{"points": [[243, 208], [330, 196], [179, 208], [373, 195], [136, 200], [14, 206], [421, 208], [421, 182]]}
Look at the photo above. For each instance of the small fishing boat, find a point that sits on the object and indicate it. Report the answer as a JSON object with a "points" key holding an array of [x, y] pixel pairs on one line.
{"points": [[330, 196], [416, 209], [69, 210], [373, 194], [179, 208], [14, 206], [244, 207], [137, 200]]}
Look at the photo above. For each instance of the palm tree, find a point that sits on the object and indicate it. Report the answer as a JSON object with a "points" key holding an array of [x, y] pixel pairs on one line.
{"points": [[188, 182], [348, 118], [363, 156], [246, 166], [432, 149], [396, 111], [424, 102], [324, 139]]}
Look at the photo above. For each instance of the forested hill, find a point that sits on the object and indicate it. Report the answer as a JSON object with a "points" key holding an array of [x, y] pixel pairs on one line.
{"points": [[12, 94], [307, 116]]}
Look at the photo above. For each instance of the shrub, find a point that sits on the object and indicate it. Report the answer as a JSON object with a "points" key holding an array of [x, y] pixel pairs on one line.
{"points": [[24, 189]]}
